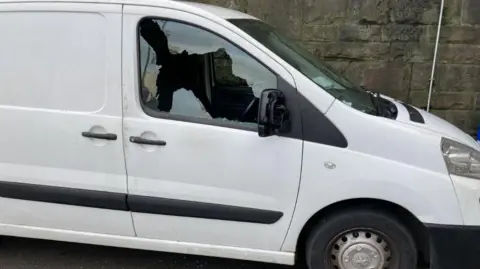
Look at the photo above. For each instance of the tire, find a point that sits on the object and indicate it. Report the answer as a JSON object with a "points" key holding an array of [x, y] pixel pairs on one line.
{"points": [[350, 239]]}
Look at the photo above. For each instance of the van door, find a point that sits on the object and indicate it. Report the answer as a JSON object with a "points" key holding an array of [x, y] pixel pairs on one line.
{"points": [[61, 159], [198, 172]]}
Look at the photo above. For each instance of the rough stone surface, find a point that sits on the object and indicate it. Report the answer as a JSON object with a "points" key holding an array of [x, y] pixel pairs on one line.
{"points": [[341, 66], [459, 54], [452, 12], [323, 11], [444, 100], [388, 46], [471, 124], [415, 11], [402, 32], [461, 118], [386, 77], [421, 73], [286, 15], [313, 32], [351, 51], [411, 52], [471, 11], [367, 12], [360, 33], [457, 34], [457, 78]]}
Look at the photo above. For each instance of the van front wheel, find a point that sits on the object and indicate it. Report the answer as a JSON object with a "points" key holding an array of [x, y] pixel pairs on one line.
{"points": [[361, 239]]}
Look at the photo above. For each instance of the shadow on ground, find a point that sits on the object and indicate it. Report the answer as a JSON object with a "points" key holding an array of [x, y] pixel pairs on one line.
{"points": [[18, 253]]}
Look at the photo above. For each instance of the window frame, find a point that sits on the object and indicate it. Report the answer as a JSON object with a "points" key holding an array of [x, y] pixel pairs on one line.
{"points": [[195, 120]]}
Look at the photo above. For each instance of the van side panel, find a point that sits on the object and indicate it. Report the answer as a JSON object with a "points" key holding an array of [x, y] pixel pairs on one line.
{"points": [[60, 76]]}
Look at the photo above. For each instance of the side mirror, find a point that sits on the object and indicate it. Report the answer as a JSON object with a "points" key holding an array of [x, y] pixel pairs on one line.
{"points": [[273, 115]]}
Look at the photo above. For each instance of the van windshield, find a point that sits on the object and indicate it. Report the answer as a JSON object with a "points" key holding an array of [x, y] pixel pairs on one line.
{"points": [[302, 60]]}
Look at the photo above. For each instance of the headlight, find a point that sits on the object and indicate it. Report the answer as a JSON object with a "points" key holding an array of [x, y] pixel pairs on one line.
{"points": [[461, 160]]}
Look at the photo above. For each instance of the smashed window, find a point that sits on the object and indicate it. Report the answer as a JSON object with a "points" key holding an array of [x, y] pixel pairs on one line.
{"points": [[188, 71]]}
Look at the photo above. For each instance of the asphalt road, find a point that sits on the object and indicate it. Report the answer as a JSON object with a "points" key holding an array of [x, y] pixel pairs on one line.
{"points": [[18, 253]]}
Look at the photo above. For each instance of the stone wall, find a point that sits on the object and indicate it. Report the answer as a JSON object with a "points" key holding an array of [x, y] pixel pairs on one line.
{"points": [[388, 45]]}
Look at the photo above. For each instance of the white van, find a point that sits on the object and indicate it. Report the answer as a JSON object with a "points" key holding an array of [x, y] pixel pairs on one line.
{"points": [[189, 128]]}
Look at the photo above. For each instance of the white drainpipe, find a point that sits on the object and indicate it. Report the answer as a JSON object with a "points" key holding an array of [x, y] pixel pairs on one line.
{"points": [[435, 54]]}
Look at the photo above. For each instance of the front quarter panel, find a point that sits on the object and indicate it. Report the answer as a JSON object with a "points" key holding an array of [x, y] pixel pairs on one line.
{"points": [[369, 169]]}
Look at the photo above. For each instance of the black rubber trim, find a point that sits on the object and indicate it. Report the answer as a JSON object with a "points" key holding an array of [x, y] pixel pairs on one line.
{"points": [[317, 128], [135, 203], [66, 196], [171, 207], [415, 115], [453, 246], [309, 123]]}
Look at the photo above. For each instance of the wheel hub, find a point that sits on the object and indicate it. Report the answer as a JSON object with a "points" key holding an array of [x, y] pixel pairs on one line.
{"points": [[360, 250]]}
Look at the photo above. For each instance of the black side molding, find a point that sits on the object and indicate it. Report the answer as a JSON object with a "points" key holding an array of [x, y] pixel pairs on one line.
{"points": [[415, 116], [135, 203], [162, 206], [66, 196]]}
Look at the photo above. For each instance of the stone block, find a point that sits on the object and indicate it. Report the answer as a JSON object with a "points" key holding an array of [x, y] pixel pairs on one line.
{"points": [[443, 100], [471, 12], [452, 13], [412, 52], [322, 33], [351, 51], [339, 66], [356, 71], [455, 34], [457, 78], [312, 47], [459, 54], [385, 77], [415, 12], [459, 118], [472, 123], [324, 11], [286, 15], [393, 79], [360, 33], [367, 12], [403, 32], [421, 73], [477, 102]]}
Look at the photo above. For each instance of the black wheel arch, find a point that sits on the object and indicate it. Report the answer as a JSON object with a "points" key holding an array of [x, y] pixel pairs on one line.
{"points": [[415, 226]]}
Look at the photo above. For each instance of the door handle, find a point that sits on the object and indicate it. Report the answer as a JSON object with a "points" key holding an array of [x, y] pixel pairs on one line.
{"points": [[143, 141], [100, 136]]}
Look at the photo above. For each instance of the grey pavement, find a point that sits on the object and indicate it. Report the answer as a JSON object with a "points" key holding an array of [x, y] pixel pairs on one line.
{"points": [[18, 253]]}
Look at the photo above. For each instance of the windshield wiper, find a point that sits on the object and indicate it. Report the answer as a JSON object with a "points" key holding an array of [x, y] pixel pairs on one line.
{"points": [[374, 97], [340, 96], [384, 107]]}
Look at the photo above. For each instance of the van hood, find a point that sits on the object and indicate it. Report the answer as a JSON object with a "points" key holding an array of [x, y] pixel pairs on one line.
{"points": [[426, 121]]}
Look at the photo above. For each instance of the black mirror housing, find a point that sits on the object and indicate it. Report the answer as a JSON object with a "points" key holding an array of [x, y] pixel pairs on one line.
{"points": [[273, 115]]}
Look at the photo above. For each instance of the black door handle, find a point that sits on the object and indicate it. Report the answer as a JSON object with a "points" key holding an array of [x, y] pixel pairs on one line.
{"points": [[100, 136], [143, 141]]}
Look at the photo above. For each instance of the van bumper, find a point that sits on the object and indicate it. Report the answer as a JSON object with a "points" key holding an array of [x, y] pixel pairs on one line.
{"points": [[454, 247]]}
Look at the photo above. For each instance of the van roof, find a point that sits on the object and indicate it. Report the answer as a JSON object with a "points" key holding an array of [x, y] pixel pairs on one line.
{"points": [[222, 12], [188, 6]]}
